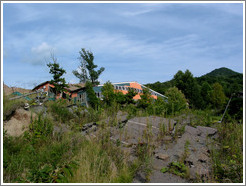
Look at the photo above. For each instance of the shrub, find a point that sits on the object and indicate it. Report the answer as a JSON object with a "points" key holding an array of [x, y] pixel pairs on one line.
{"points": [[108, 93], [93, 100], [146, 99], [176, 100], [159, 106], [60, 111]]}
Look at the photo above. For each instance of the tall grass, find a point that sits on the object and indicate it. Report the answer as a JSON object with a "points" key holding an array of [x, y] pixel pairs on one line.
{"points": [[228, 156], [39, 155], [101, 163], [9, 106]]}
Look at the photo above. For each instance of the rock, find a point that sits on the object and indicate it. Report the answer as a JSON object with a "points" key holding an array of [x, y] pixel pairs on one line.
{"points": [[159, 177], [203, 158], [162, 156], [199, 172], [192, 131], [207, 130], [19, 122]]}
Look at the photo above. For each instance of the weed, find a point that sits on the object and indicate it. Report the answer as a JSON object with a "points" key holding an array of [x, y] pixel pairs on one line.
{"points": [[228, 158], [164, 169], [176, 168], [186, 151]]}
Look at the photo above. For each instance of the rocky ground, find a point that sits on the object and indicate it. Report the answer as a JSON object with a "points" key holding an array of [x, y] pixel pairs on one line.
{"points": [[173, 140], [180, 142]]}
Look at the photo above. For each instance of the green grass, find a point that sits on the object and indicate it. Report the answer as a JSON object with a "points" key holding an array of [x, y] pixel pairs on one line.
{"points": [[176, 168], [9, 106], [228, 157], [102, 162], [39, 155], [43, 156]]}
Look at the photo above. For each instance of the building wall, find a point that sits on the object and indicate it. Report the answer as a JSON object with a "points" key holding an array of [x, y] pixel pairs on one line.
{"points": [[137, 88], [81, 97], [124, 87]]}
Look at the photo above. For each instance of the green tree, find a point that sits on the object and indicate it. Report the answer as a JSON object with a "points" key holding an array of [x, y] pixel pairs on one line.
{"points": [[206, 93], [120, 98], [176, 100], [146, 99], [160, 106], [57, 73], [129, 96], [218, 97], [92, 98], [108, 93], [189, 86], [87, 68]]}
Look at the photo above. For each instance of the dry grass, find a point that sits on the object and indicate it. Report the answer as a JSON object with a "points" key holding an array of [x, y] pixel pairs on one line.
{"points": [[99, 164]]}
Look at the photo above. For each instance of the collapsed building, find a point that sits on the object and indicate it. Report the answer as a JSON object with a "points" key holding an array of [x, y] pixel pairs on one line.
{"points": [[77, 93]]}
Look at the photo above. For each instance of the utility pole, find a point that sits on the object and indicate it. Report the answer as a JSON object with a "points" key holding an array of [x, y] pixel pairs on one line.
{"points": [[226, 108]]}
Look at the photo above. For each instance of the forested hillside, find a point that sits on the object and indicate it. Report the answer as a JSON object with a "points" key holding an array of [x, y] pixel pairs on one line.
{"points": [[211, 90]]}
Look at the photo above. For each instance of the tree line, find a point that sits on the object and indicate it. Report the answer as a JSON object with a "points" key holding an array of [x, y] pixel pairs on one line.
{"points": [[211, 91]]}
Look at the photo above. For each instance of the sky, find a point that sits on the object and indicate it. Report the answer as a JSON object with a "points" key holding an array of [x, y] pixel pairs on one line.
{"points": [[143, 42]]}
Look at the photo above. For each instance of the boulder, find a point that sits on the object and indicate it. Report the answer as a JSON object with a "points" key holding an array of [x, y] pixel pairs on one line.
{"points": [[207, 130]]}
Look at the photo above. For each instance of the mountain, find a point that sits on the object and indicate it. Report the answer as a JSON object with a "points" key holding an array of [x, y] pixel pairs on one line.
{"points": [[229, 79], [222, 72]]}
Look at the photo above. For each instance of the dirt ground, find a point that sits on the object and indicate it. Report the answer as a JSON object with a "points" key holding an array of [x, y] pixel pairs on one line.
{"points": [[9, 90], [19, 122]]}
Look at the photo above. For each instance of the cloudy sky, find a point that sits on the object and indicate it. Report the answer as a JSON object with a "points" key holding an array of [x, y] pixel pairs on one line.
{"points": [[134, 41]]}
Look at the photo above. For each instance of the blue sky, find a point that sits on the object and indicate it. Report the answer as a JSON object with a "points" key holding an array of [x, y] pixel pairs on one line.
{"points": [[134, 42]]}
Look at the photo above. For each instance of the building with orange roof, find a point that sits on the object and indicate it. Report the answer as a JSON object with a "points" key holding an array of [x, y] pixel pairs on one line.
{"points": [[77, 94]]}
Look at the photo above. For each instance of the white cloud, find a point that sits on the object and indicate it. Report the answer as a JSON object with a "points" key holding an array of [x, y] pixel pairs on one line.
{"points": [[135, 13], [42, 49], [39, 54]]}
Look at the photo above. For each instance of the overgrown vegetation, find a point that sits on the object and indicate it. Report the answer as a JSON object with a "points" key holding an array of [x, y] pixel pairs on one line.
{"points": [[228, 156], [49, 153], [40, 155], [9, 106], [46, 155]]}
